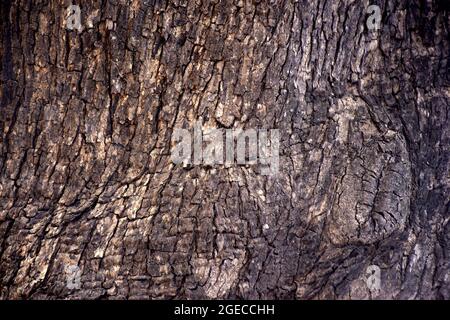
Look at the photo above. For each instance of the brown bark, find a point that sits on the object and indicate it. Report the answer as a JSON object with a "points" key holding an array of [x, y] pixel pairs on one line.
{"points": [[86, 179]]}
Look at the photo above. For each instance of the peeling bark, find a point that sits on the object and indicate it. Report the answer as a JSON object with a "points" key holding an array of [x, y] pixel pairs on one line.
{"points": [[86, 120]]}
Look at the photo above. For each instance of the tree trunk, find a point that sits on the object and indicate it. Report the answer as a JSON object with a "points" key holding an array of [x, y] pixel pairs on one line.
{"points": [[87, 182]]}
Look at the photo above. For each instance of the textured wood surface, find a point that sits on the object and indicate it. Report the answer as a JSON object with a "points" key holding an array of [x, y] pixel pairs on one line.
{"points": [[86, 180]]}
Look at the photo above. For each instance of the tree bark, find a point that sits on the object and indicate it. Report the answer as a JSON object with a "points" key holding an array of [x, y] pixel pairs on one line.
{"points": [[86, 179]]}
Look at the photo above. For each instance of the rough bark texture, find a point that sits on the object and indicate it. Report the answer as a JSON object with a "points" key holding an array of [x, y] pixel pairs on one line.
{"points": [[86, 178]]}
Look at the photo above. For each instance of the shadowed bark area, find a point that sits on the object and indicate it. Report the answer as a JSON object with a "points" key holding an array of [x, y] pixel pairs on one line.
{"points": [[86, 179]]}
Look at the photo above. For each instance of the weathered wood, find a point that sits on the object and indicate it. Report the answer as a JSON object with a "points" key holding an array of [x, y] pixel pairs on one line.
{"points": [[86, 180]]}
